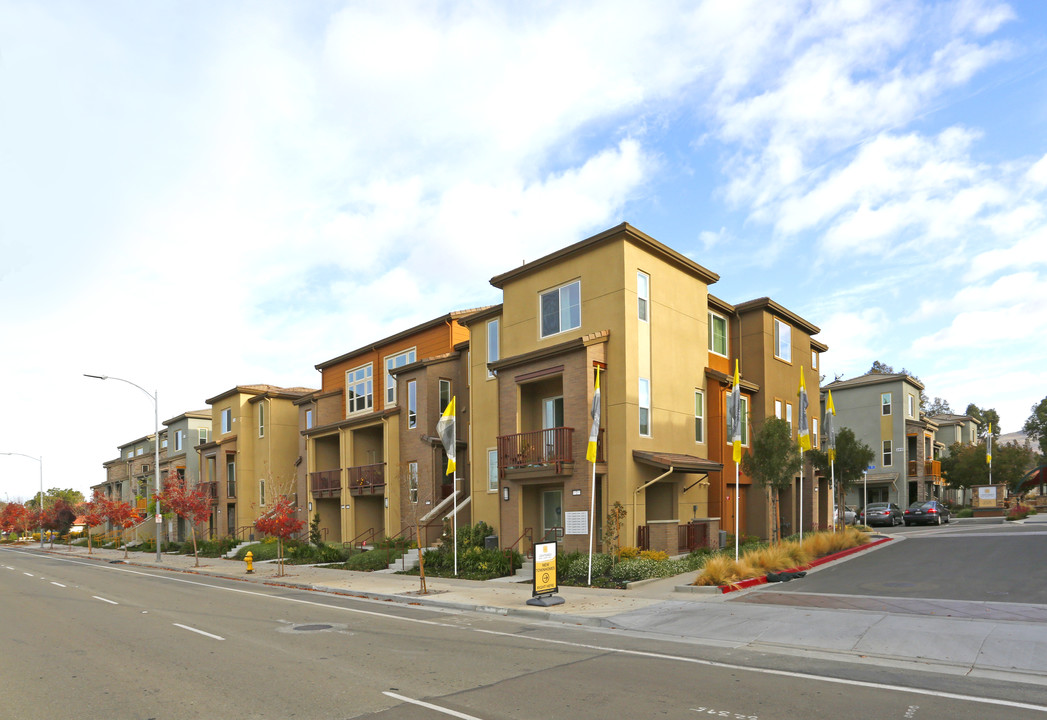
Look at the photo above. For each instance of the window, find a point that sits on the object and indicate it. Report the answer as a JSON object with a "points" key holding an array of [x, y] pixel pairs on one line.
{"points": [[885, 401], [202, 433], [230, 477], [359, 390], [745, 421], [789, 414], [783, 349], [778, 409], [261, 492], [227, 420], [814, 359], [412, 481], [886, 453], [261, 419], [163, 442], [912, 405], [561, 309], [308, 418], [492, 470], [814, 432], [645, 407], [717, 334], [412, 404], [138, 451], [699, 416], [643, 296], [492, 345], [445, 394], [178, 440], [130, 453], [391, 363]]}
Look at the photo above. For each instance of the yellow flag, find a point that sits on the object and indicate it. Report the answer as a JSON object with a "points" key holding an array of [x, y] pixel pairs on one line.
{"points": [[803, 433]]}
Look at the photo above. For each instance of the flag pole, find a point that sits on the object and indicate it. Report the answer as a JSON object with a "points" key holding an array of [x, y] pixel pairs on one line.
{"points": [[592, 521], [801, 493], [736, 512], [590, 454], [454, 494], [832, 484]]}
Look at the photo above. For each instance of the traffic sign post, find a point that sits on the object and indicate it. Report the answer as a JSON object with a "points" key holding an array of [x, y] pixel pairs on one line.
{"points": [[544, 584]]}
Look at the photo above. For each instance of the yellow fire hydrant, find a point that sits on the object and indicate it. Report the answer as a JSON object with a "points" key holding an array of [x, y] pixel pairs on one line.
{"points": [[249, 559]]}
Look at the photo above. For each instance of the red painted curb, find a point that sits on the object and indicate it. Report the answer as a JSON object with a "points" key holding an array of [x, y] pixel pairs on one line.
{"points": [[753, 582]]}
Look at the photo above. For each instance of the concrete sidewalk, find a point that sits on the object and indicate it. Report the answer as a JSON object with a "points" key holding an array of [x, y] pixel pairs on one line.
{"points": [[997, 640]]}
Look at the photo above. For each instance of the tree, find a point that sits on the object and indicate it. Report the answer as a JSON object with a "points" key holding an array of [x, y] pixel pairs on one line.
{"points": [[773, 462], [1036, 426], [280, 522], [965, 466], [16, 517], [192, 504], [95, 512], [124, 515], [71, 497], [988, 417], [1010, 462], [879, 368], [853, 457], [939, 406], [58, 518]]}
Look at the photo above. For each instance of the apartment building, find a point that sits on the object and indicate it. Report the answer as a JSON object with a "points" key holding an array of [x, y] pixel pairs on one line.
{"points": [[178, 442], [251, 455], [374, 466]]}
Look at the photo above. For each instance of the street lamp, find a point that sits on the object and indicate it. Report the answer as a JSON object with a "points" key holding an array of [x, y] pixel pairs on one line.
{"points": [[41, 506], [156, 447]]}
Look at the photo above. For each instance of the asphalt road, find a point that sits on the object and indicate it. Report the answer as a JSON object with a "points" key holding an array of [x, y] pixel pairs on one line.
{"points": [[110, 641]]}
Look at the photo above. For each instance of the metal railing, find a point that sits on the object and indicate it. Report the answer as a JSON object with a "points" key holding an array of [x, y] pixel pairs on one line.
{"points": [[537, 448], [692, 536], [367, 536], [525, 550], [211, 490], [325, 483], [366, 479]]}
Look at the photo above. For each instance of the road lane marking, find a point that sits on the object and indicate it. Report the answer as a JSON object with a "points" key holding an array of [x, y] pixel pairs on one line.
{"points": [[192, 629], [599, 648], [29, 574], [58, 584], [430, 706], [111, 602]]}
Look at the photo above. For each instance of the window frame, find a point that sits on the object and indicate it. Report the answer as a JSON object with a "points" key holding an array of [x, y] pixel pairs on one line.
{"points": [[779, 408], [308, 418], [412, 404], [814, 359], [814, 432], [699, 416], [227, 420], [643, 296], [559, 290], [494, 339], [411, 355], [887, 454], [445, 398], [713, 317], [886, 408], [202, 434], [644, 394], [783, 331], [261, 492], [912, 405], [412, 482], [178, 441], [789, 415], [261, 419], [366, 400], [492, 480]]}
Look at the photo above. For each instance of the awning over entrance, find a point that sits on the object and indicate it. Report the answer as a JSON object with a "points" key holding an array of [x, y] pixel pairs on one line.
{"points": [[679, 463]]}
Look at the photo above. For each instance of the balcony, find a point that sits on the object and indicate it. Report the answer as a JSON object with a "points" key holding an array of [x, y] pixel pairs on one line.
{"points": [[326, 483], [211, 491], [931, 468], [367, 479], [536, 453]]}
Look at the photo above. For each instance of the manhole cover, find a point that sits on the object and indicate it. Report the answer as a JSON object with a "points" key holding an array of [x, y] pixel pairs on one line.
{"points": [[311, 628]]}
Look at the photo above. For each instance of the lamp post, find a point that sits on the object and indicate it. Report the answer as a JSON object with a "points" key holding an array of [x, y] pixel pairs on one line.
{"points": [[156, 448], [41, 499]]}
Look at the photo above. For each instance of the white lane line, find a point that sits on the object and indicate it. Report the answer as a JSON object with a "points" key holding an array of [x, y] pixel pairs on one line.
{"points": [[111, 602], [29, 574], [192, 629], [620, 651], [445, 711], [58, 584]]}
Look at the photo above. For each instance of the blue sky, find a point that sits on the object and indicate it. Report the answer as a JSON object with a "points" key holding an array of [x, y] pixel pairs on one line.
{"points": [[203, 194]]}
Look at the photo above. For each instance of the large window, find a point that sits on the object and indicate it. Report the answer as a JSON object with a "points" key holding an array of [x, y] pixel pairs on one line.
{"points": [[886, 453], [412, 481], [699, 416], [643, 296], [391, 363], [885, 403], [492, 345], [445, 394], [492, 470], [645, 406], [359, 390], [783, 348], [227, 420], [561, 309], [412, 404], [717, 334], [178, 440]]}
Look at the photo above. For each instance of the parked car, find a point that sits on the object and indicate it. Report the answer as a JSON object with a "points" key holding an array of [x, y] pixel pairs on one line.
{"points": [[850, 515], [881, 514], [930, 512]]}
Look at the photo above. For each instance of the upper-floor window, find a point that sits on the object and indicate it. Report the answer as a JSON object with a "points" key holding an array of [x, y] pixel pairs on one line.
{"points": [[744, 403], [261, 492], [202, 434], [391, 363], [445, 394], [227, 420], [699, 416], [643, 296], [886, 453], [814, 359], [412, 481], [778, 409], [130, 453], [885, 402], [163, 442], [178, 440], [139, 451], [308, 418], [492, 344], [789, 414], [912, 405], [359, 390], [814, 432], [261, 419], [783, 348], [645, 406], [412, 404], [492, 470], [561, 309], [717, 334]]}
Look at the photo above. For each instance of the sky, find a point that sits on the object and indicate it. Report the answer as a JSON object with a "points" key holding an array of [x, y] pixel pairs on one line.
{"points": [[201, 194]]}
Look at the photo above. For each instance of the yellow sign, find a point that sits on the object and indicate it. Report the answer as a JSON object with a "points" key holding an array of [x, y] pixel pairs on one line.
{"points": [[544, 569]]}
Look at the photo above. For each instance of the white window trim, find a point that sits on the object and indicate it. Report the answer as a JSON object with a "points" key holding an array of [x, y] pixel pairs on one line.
{"points": [[308, 418], [412, 414], [645, 297], [201, 435], [368, 406], [814, 359], [699, 405], [726, 334], [412, 482], [912, 405], [497, 336], [778, 413], [814, 432], [261, 419], [439, 393], [777, 339], [178, 440], [492, 482], [889, 405], [887, 449], [641, 407], [789, 415], [559, 306], [227, 420], [261, 492], [390, 381]]}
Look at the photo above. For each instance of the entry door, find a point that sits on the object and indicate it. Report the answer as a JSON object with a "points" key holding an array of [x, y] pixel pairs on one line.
{"points": [[552, 515], [552, 417]]}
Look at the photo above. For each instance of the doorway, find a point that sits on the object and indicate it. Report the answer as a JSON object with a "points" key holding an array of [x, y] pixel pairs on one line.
{"points": [[552, 515], [552, 417]]}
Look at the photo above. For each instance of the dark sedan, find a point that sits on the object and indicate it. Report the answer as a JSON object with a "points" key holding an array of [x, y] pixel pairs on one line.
{"points": [[881, 514], [931, 512]]}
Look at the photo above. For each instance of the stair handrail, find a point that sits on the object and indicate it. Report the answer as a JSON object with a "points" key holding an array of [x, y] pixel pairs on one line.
{"points": [[527, 533]]}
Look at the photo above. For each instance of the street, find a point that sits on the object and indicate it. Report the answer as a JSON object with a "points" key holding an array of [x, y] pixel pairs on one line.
{"points": [[114, 641]]}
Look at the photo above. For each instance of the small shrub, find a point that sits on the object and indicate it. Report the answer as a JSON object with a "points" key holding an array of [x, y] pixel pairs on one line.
{"points": [[964, 513], [628, 552], [718, 570], [656, 555]]}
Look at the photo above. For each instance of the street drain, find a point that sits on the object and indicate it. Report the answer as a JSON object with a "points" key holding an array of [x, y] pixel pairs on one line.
{"points": [[311, 628]]}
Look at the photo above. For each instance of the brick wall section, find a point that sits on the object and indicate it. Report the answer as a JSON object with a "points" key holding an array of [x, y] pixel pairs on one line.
{"points": [[663, 536]]}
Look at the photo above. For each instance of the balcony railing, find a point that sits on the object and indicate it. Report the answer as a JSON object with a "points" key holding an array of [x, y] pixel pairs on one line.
{"points": [[931, 468], [326, 483], [367, 479], [211, 489], [536, 449]]}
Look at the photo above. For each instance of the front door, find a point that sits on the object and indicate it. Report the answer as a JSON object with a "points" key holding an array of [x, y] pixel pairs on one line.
{"points": [[552, 515], [552, 417]]}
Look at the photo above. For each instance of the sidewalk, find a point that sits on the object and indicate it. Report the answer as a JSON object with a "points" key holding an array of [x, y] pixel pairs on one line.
{"points": [[1006, 641]]}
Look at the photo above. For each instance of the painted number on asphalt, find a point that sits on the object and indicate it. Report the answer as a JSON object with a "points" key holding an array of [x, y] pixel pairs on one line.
{"points": [[723, 713]]}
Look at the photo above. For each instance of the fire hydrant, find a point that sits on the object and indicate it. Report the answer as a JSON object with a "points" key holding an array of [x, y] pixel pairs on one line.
{"points": [[249, 559]]}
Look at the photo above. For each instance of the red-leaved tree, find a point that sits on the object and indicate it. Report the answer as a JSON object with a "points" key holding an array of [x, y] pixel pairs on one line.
{"points": [[95, 512], [280, 522], [192, 504], [58, 518], [124, 515], [15, 517]]}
